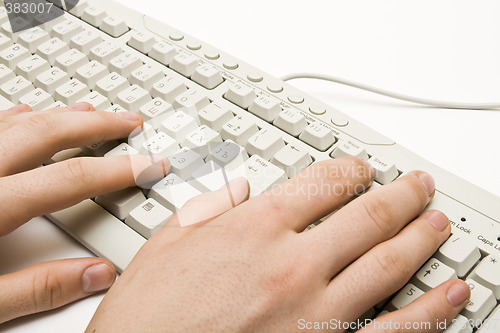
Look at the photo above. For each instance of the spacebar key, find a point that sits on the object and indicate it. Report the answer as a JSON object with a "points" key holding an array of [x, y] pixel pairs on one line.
{"points": [[100, 232]]}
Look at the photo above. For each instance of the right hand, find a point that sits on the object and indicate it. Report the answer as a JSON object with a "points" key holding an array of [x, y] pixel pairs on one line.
{"points": [[253, 269]]}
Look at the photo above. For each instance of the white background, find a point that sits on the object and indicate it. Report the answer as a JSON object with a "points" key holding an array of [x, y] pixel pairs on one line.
{"points": [[447, 50]]}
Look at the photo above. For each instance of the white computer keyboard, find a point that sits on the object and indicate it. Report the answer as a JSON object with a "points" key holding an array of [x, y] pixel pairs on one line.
{"points": [[191, 95]]}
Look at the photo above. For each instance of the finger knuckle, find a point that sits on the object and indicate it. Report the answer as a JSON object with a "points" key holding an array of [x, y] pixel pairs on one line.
{"points": [[379, 214], [47, 291], [394, 267], [40, 125], [75, 170]]}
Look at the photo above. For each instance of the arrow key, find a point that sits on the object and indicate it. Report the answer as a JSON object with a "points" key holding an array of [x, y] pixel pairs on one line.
{"points": [[432, 274]]}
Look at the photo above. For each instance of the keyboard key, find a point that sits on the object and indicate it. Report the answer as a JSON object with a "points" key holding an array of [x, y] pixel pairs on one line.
{"points": [[163, 52], [3, 15], [90, 232], [64, 155], [350, 148], [99, 101], [104, 52], [116, 108], [91, 72], [241, 95], [487, 273], [215, 116], [139, 136], [156, 111], [112, 84], [15, 88], [202, 140], [145, 76], [208, 76], [185, 162], [6, 73], [133, 98], [142, 41], [77, 7], [172, 192], [13, 54], [31, 67], [265, 143], [99, 149], [18, 23], [292, 159], [228, 155], [85, 40], [51, 79], [318, 136], [32, 38], [66, 30], [459, 325], [405, 296], [71, 60], [160, 144], [148, 218], [122, 149], [385, 171], [113, 26], [38, 99], [492, 322], [261, 175], [51, 49], [481, 302], [5, 41], [265, 107], [459, 253], [57, 104], [71, 91], [124, 64], [94, 15], [184, 63], [168, 88], [432, 274], [209, 177], [191, 101], [239, 129], [121, 203], [49, 19], [178, 125], [291, 122]]}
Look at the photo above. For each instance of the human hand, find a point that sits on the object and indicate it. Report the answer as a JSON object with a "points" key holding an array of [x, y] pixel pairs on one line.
{"points": [[27, 139], [253, 269]]}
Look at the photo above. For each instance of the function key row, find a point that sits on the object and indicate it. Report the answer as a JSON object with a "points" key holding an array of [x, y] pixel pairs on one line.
{"points": [[182, 62]]}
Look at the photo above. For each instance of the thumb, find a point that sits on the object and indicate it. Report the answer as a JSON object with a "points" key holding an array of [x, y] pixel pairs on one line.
{"points": [[52, 284]]}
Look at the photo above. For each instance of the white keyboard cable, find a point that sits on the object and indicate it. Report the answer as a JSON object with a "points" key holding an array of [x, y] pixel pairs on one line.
{"points": [[391, 94]]}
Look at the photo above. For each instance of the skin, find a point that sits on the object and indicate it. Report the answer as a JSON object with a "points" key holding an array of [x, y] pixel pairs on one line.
{"points": [[41, 134], [251, 268]]}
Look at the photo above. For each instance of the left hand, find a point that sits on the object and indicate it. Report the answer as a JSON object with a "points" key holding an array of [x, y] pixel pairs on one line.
{"points": [[28, 139]]}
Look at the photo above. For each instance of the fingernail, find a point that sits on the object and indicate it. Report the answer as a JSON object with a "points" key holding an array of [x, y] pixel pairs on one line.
{"points": [[458, 294], [83, 106], [19, 108], [238, 189], [129, 115], [97, 277], [438, 220], [428, 182]]}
